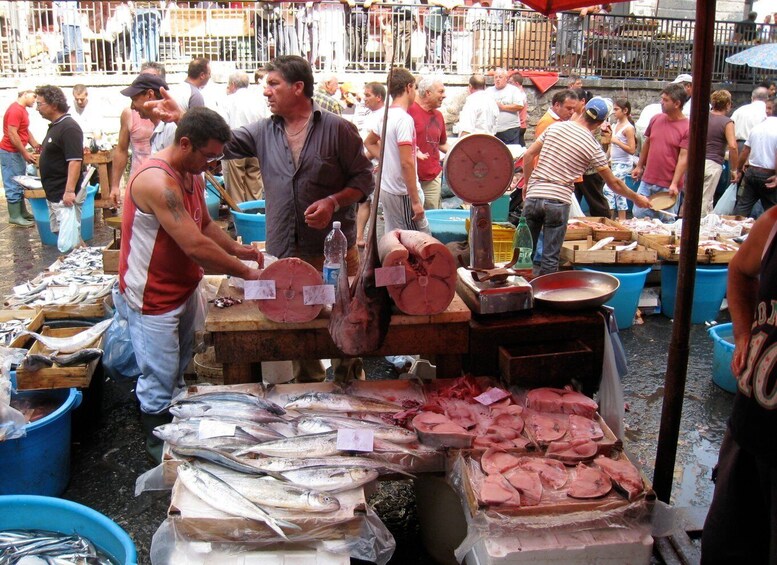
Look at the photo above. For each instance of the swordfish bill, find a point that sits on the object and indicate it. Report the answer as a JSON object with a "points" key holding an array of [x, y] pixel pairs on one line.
{"points": [[362, 311]]}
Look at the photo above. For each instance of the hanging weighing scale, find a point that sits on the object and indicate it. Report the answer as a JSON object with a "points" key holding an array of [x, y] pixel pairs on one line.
{"points": [[479, 169]]}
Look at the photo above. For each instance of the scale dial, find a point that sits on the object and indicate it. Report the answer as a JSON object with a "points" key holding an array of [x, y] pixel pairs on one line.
{"points": [[479, 168]]}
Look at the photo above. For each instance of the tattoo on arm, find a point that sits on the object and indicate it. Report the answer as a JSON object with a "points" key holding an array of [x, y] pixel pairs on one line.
{"points": [[174, 204]]}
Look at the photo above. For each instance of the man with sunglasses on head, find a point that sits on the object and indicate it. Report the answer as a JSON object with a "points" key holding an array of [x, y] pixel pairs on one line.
{"points": [[168, 238]]}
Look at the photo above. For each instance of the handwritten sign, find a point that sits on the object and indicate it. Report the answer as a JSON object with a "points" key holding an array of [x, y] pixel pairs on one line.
{"points": [[387, 276], [318, 294], [215, 428], [355, 440], [492, 395], [260, 290]]}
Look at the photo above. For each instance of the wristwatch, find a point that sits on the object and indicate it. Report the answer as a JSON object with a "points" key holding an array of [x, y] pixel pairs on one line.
{"points": [[337, 204]]}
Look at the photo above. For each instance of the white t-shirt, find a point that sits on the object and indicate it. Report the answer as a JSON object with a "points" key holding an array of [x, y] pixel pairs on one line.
{"points": [[480, 114], [510, 94], [747, 117], [763, 144], [90, 120], [244, 107], [400, 130]]}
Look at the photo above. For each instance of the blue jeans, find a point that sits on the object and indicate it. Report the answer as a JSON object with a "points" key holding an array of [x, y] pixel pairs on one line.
{"points": [[754, 189], [549, 217], [510, 136], [145, 37], [163, 347], [73, 41], [646, 189], [12, 165]]}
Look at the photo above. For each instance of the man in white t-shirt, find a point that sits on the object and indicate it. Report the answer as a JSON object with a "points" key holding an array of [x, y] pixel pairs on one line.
{"points": [[480, 112], [374, 102], [750, 115], [565, 150], [86, 113], [760, 175], [510, 100], [400, 191]]}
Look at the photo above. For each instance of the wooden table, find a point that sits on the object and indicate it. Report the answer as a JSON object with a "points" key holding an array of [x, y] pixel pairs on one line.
{"points": [[243, 336], [103, 160]]}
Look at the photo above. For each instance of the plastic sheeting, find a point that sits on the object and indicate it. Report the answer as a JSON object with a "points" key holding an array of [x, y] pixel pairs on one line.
{"points": [[12, 422]]}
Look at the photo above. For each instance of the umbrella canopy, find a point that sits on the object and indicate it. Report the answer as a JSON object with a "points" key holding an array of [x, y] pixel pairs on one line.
{"points": [[548, 6], [762, 56]]}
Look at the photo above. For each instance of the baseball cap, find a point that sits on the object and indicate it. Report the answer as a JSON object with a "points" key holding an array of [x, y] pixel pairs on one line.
{"points": [[144, 82], [596, 109], [682, 78]]}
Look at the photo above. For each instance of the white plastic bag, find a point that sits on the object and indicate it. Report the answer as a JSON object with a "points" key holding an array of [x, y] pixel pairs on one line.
{"points": [[69, 229], [725, 206]]}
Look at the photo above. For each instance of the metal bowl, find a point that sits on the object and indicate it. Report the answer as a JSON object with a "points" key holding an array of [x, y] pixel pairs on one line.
{"points": [[574, 290]]}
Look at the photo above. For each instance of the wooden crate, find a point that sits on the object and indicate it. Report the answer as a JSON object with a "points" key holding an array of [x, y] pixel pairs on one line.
{"points": [[578, 253], [111, 257], [600, 228], [667, 247], [78, 376], [35, 315]]}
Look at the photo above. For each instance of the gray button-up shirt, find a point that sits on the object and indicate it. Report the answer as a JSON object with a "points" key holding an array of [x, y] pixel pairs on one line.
{"points": [[331, 159]]}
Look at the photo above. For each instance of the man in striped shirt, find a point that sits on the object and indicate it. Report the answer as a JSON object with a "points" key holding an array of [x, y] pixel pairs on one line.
{"points": [[565, 151]]}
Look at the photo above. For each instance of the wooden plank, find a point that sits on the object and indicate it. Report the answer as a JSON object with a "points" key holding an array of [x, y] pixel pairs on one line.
{"points": [[684, 547], [78, 376], [35, 315], [641, 255], [578, 253], [668, 248], [110, 255], [666, 551]]}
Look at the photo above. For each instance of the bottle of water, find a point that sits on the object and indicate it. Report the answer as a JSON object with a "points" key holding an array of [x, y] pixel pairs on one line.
{"points": [[335, 248], [523, 243]]}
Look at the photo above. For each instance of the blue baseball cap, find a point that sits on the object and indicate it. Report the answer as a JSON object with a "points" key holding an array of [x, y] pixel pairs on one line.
{"points": [[596, 109]]}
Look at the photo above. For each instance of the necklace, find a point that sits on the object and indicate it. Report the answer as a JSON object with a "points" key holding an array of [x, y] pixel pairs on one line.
{"points": [[305, 125]]}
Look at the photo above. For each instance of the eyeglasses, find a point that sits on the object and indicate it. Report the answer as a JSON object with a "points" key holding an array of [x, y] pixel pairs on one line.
{"points": [[40, 102], [210, 160]]}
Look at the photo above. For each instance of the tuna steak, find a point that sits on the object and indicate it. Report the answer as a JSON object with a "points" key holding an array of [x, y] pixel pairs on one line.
{"points": [[589, 482], [623, 474]]}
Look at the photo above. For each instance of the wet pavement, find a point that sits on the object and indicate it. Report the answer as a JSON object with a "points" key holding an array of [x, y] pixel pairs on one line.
{"points": [[108, 455]]}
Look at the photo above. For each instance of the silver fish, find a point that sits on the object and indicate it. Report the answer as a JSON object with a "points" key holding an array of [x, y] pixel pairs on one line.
{"points": [[336, 402], [260, 432], [332, 479], [224, 459], [221, 496], [73, 343], [282, 464], [312, 445], [185, 434], [327, 423], [232, 396], [78, 358], [218, 409]]}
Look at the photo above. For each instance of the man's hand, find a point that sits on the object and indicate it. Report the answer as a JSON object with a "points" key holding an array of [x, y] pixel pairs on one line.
{"points": [[739, 359], [636, 172], [642, 201], [319, 214], [673, 190], [166, 109], [116, 196], [249, 253], [29, 157], [69, 198], [418, 211], [771, 182], [421, 156]]}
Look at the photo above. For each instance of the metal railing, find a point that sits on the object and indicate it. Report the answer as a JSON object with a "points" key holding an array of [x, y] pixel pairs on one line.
{"points": [[42, 38]]}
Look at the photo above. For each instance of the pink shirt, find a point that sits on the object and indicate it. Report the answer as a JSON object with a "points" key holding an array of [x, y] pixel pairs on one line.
{"points": [[667, 137], [140, 140]]}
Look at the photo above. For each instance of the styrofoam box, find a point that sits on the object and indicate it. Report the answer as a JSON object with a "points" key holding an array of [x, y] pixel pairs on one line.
{"points": [[202, 553], [613, 546]]}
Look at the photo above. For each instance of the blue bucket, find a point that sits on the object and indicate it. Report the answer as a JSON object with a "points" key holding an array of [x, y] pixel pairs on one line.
{"points": [[212, 201], [723, 351], [708, 291], [25, 512], [500, 208], [448, 225], [626, 298], [39, 463], [40, 211], [251, 227]]}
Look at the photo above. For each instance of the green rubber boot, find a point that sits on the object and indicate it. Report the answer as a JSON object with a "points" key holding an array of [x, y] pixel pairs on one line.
{"points": [[26, 214], [153, 444], [15, 215]]}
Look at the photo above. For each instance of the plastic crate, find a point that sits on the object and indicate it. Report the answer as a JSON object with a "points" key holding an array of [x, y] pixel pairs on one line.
{"points": [[502, 239]]}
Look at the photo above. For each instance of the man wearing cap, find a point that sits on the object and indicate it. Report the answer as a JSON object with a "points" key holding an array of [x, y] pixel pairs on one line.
{"points": [[664, 156], [564, 151], [685, 81], [146, 88]]}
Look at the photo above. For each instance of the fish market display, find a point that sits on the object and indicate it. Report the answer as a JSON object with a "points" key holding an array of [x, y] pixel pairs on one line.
{"points": [[624, 475], [589, 482], [647, 226], [437, 430], [244, 398], [82, 261], [576, 223], [430, 271], [314, 424], [37, 361], [291, 276], [11, 329], [332, 479], [74, 343], [44, 547], [58, 289], [562, 401], [336, 402]]}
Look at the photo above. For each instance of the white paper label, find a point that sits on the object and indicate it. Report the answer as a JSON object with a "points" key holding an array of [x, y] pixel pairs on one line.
{"points": [[318, 294], [355, 440], [215, 428], [492, 395], [259, 290], [387, 276]]}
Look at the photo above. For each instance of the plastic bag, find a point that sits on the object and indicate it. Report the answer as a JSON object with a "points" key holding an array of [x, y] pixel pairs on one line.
{"points": [[12, 422], [611, 400], [725, 206], [69, 229], [119, 360]]}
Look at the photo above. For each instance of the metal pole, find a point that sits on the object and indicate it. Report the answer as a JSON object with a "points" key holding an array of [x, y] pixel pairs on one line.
{"points": [[677, 363]]}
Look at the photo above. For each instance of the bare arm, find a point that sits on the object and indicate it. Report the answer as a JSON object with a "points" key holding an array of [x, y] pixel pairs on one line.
{"points": [[529, 159], [409, 176], [509, 107], [636, 173], [372, 144], [16, 141], [679, 171], [232, 247], [619, 187], [733, 149], [120, 155], [319, 214]]}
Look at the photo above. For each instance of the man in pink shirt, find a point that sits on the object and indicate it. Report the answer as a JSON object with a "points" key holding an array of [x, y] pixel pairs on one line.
{"points": [[664, 157], [431, 138]]}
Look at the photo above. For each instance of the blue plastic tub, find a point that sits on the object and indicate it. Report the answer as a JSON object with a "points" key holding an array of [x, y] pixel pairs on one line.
{"points": [[626, 298], [40, 211], [251, 227], [212, 199], [26, 512], [500, 208], [39, 463], [448, 225], [723, 351], [708, 291]]}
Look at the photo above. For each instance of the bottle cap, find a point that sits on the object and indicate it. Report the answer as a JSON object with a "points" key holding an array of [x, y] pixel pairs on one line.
{"points": [[335, 225]]}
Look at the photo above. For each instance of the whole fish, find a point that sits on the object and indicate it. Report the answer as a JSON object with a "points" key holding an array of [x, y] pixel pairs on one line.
{"points": [[36, 361], [45, 547], [261, 432], [232, 396], [224, 459], [311, 445], [217, 409], [283, 464], [73, 343], [325, 423], [78, 358], [184, 434], [332, 479], [221, 496], [336, 402]]}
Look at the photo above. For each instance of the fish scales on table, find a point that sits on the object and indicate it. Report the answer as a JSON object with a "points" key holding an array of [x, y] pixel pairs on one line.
{"points": [[39, 546], [220, 495]]}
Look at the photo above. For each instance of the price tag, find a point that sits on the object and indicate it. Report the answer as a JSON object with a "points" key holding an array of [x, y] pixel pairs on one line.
{"points": [[492, 395], [260, 290], [318, 294], [355, 440], [387, 276], [215, 428]]}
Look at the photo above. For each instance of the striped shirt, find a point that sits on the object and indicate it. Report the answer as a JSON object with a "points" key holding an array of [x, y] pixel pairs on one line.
{"points": [[568, 149]]}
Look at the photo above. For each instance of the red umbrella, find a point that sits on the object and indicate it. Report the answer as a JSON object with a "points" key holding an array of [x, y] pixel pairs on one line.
{"points": [[677, 363]]}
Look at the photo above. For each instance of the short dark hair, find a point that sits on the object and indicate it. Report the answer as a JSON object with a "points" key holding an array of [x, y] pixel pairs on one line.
{"points": [[197, 67], [293, 69], [478, 82], [583, 94], [378, 90], [79, 89], [158, 67], [400, 79], [200, 125], [53, 96], [562, 96], [676, 92]]}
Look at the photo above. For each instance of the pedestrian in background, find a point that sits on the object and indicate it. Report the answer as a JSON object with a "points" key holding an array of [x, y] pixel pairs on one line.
{"points": [[14, 155], [431, 138], [623, 145], [720, 136]]}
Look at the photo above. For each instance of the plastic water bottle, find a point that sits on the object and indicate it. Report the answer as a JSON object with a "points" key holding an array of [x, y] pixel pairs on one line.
{"points": [[523, 243], [335, 248]]}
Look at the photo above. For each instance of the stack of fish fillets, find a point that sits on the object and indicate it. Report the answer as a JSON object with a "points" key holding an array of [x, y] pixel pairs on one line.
{"points": [[242, 462]]}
